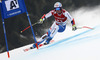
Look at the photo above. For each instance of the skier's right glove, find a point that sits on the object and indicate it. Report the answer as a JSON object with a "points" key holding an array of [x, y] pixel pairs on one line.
{"points": [[74, 27], [41, 21]]}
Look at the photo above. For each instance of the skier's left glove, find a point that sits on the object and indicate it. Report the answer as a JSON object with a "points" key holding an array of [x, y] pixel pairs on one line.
{"points": [[74, 27], [41, 21]]}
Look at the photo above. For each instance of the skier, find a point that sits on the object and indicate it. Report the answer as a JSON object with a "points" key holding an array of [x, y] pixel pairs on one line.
{"points": [[59, 25]]}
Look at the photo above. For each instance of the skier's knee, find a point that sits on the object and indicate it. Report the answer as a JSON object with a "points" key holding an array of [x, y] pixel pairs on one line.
{"points": [[44, 36]]}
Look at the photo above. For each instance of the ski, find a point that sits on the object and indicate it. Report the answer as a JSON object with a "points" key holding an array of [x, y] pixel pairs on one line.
{"points": [[85, 27], [40, 45]]}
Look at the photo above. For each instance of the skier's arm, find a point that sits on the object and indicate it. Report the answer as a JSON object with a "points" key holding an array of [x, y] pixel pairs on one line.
{"points": [[72, 20], [45, 16]]}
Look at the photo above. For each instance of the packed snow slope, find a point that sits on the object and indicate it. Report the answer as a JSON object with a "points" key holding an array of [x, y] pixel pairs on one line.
{"points": [[82, 44]]}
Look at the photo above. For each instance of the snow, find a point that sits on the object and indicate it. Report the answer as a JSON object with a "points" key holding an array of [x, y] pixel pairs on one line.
{"points": [[82, 44]]}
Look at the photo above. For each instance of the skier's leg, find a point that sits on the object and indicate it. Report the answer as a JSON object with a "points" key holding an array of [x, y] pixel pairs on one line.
{"points": [[51, 32], [42, 39], [62, 28]]}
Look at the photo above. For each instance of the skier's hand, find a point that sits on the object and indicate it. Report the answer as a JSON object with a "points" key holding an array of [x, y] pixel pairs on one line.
{"points": [[74, 28], [41, 21]]}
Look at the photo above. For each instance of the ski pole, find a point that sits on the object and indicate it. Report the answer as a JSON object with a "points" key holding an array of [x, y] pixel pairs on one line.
{"points": [[29, 27], [84, 27]]}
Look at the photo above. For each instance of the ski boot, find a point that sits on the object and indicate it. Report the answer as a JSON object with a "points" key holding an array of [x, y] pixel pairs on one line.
{"points": [[48, 41], [34, 46]]}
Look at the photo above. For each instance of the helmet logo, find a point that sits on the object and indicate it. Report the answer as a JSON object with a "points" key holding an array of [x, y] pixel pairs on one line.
{"points": [[57, 4]]}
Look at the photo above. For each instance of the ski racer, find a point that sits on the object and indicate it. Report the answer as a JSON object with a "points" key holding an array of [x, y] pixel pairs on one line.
{"points": [[61, 16]]}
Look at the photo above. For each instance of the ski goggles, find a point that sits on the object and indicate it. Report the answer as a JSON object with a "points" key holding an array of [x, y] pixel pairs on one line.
{"points": [[58, 8]]}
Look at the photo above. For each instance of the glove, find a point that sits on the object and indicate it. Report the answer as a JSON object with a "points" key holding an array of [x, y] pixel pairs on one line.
{"points": [[74, 28], [41, 21]]}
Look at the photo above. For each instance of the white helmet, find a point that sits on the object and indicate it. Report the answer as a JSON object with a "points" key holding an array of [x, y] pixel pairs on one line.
{"points": [[57, 4]]}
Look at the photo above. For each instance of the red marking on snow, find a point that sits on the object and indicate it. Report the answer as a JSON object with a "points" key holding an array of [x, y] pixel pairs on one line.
{"points": [[26, 50], [52, 41]]}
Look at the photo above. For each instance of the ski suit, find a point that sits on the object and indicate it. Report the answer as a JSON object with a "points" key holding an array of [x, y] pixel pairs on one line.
{"points": [[59, 24]]}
